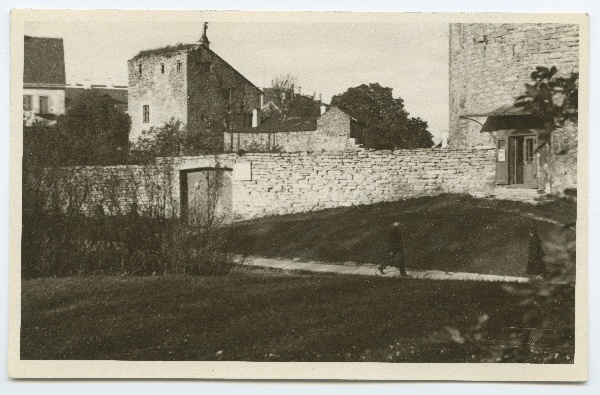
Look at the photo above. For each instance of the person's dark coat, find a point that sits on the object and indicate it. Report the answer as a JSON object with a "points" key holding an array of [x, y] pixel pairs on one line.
{"points": [[535, 259], [395, 240]]}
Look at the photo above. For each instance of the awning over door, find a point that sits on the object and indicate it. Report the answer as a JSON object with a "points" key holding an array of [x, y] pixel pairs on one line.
{"points": [[507, 117]]}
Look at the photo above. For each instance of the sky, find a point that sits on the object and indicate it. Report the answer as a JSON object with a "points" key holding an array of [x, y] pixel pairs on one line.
{"points": [[324, 57]]}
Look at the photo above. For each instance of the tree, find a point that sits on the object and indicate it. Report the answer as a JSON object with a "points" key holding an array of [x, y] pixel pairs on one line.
{"points": [[171, 139], [92, 132], [552, 98], [289, 102], [383, 121]]}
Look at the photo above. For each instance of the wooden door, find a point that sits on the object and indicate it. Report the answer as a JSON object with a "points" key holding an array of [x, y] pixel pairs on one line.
{"points": [[207, 196], [529, 162], [516, 160]]}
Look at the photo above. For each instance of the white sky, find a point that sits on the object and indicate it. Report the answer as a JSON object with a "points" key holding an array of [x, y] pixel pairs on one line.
{"points": [[324, 57]]}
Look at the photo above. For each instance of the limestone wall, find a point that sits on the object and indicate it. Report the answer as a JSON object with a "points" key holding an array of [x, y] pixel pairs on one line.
{"points": [[286, 183], [164, 92], [311, 141], [117, 189], [273, 184], [490, 63]]}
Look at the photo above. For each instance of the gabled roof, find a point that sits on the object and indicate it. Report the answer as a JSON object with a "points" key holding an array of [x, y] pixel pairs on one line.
{"points": [[44, 61]]}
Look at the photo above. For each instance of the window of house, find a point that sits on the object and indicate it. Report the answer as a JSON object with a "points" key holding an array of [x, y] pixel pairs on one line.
{"points": [[27, 102], [140, 69], [179, 65], [44, 105], [226, 94], [162, 68], [146, 113]]}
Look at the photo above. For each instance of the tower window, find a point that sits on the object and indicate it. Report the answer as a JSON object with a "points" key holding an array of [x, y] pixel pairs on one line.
{"points": [[162, 68], [179, 65], [146, 113]]}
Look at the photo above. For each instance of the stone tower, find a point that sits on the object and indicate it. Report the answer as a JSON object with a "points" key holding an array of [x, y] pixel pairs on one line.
{"points": [[490, 63]]}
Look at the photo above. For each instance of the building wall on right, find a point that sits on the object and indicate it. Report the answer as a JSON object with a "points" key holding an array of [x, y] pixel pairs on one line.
{"points": [[490, 63]]}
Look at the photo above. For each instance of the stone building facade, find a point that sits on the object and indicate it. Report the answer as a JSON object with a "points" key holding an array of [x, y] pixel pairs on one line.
{"points": [[331, 131], [192, 84], [489, 66]]}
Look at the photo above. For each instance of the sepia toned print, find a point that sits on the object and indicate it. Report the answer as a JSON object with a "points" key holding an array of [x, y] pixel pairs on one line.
{"points": [[250, 189]]}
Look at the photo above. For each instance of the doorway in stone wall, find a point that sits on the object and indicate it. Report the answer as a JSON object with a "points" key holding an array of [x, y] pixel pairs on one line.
{"points": [[206, 196], [522, 169]]}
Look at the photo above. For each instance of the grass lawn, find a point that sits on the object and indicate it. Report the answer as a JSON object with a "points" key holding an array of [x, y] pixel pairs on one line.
{"points": [[448, 232], [258, 315]]}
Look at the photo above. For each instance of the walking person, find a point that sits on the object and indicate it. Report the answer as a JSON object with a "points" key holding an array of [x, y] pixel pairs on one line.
{"points": [[535, 257], [396, 253]]}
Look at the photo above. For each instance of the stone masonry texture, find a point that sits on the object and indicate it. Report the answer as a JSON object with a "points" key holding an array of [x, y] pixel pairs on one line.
{"points": [[284, 183], [192, 85], [490, 63]]}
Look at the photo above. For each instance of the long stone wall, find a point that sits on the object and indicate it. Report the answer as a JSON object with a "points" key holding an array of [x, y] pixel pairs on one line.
{"points": [[286, 183], [116, 189], [273, 184]]}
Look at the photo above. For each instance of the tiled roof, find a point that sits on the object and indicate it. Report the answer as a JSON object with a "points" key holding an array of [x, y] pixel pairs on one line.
{"points": [[44, 61]]}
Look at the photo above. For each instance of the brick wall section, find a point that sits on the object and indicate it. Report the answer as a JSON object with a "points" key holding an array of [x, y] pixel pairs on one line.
{"points": [[490, 63], [166, 94]]}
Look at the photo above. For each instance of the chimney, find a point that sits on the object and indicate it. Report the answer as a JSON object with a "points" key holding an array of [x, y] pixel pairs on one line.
{"points": [[445, 137], [204, 39], [299, 90], [323, 109], [255, 118], [87, 84], [314, 95], [320, 98]]}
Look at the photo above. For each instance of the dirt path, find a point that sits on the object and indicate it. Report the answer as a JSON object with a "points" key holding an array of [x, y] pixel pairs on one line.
{"points": [[371, 270]]}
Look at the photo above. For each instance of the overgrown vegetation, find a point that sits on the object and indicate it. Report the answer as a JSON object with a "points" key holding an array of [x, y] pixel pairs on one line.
{"points": [[165, 51], [93, 132], [170, 140], [551, 97], [76, 225]]}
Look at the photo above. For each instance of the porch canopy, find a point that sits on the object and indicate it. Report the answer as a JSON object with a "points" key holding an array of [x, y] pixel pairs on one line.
{"points": [[506, 117]]}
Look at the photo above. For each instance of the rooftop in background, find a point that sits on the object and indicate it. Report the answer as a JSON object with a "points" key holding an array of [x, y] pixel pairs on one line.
{"points": [[289, 124], [116, 94], [44, 61]]}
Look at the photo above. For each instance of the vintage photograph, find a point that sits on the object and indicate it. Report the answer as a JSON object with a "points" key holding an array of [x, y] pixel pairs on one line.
{"points": [[390, 189]]}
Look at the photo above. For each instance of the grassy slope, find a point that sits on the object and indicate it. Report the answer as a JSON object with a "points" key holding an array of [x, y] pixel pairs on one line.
{"points": [[261, 316], [450, 232]]}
